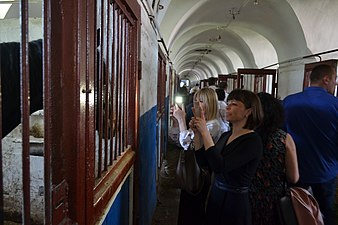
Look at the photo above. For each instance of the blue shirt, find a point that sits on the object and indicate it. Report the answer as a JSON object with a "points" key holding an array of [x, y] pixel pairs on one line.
{"points": [[312, 121]]}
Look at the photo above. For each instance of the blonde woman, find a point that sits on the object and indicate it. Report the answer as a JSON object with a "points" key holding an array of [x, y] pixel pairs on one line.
{"points": [[206, 98], [192, 207]]}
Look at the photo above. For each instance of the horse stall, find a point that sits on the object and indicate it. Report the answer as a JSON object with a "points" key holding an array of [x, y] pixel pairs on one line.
{"points": [[12, 141], [12, 172], [69, 111], [258, 80]]}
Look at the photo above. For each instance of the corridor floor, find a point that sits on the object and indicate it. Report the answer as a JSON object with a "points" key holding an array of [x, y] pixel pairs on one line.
{"points": [[168, 194]]}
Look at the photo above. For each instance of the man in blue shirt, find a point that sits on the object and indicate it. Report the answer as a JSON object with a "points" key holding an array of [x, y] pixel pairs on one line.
{"points": [[312, 121]]}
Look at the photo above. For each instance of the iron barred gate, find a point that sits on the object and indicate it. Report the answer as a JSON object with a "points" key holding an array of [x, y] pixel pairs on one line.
{"points": [[69, 96]]}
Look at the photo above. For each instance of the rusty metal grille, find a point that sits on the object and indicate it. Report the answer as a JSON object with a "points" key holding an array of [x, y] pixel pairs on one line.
{"points": [[114, 61], [231, 81], [258, 80]]}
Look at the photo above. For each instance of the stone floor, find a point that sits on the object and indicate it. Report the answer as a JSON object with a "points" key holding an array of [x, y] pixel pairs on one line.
{"points": [[168, 194], [167, 191]]}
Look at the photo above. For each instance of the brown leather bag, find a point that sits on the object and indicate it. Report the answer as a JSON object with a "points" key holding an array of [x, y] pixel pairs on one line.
{"points": [[299, 207]]}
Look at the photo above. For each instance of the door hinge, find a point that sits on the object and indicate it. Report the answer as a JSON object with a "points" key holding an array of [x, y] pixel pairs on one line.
{"points": [[60, 203]]}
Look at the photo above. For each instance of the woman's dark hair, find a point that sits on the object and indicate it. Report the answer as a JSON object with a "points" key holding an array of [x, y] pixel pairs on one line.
{"points": [[273, 115], [250, 100]]}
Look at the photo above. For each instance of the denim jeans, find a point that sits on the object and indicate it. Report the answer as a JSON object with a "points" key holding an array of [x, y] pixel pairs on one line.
{"points": [[325, 194]]}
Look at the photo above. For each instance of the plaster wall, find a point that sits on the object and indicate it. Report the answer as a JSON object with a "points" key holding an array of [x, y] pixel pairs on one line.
{"points": [[149, 58], [320, 31], [290, 79], [10, 30], [317, 19]]}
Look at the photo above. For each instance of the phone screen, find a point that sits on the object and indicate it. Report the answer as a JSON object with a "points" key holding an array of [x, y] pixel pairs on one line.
{"points": [[179, 99], [197, 109]]}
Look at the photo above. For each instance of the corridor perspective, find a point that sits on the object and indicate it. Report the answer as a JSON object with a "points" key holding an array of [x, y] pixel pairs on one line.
{"points": [[87, 87]]}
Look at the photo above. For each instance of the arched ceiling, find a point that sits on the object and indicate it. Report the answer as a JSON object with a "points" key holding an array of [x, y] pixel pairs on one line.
{"points": [[210, 37]]}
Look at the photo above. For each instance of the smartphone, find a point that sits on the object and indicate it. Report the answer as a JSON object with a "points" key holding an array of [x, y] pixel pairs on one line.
{"points": [[197, 109], [179, 101]]}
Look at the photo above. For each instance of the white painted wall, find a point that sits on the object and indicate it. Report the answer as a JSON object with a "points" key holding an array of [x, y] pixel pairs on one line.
{"points": [[319, 25], [10, 30], [318, 21], [149, 58]]}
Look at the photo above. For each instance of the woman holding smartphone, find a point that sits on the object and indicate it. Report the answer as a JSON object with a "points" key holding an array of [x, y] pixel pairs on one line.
{"points": [[192, 207], [233, 159]]}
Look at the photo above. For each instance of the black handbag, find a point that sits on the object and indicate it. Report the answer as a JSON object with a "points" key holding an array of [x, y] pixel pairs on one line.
{"points": [[190, 177], [286, 212], [299, 207]]}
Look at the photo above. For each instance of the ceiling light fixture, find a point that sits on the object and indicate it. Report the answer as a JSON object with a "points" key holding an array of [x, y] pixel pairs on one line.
{"points": [[234, 12], [216, 39], [256, 2], [4, 7]]}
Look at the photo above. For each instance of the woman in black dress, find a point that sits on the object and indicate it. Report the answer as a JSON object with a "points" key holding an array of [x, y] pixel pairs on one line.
{"points": [[233, 159]]}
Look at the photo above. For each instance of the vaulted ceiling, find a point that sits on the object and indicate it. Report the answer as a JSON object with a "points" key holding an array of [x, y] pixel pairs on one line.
{"points": [[205, 38]]}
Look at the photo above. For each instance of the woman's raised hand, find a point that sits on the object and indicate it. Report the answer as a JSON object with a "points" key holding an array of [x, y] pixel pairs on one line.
{"points": [[199, 122], [179, 113]]}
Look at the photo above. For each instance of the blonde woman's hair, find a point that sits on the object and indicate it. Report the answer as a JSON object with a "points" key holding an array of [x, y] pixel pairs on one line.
{"points": [[209, 97]]}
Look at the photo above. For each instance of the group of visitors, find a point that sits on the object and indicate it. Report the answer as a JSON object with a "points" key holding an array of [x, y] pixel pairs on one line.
{"points": [[269, 143]]}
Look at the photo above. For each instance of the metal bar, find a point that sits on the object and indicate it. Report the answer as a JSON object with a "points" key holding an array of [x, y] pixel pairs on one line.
{"points": [[91, 71], [124, 85], [47, 110], [24, 64], [303, 57], [274, 85], [120, 81], [1, 172], [106, 97], [114, 76], [265, 83], [118, 72], [127, 82], [100, 105], [255, 83], [112, 86]]}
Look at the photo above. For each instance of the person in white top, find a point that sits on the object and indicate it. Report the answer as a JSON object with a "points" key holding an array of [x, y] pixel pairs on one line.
{"points": [[192, 207], [208, 99], [222, 111]]}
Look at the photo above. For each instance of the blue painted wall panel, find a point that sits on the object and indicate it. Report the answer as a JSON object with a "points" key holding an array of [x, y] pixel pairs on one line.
{"points": [[119, 212], [147, 166]]}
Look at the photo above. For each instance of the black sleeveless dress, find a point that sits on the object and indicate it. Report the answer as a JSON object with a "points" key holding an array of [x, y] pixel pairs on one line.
{"points": [[268, 185]]}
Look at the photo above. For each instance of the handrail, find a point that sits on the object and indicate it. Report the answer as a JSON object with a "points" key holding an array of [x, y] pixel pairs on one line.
{"points": [[303, 57]]}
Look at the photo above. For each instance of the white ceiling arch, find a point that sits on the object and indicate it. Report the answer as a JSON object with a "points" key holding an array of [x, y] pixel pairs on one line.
{"points": [[218, 60], [217, 41], [192, 62], [251, 36], [202, 70]]}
